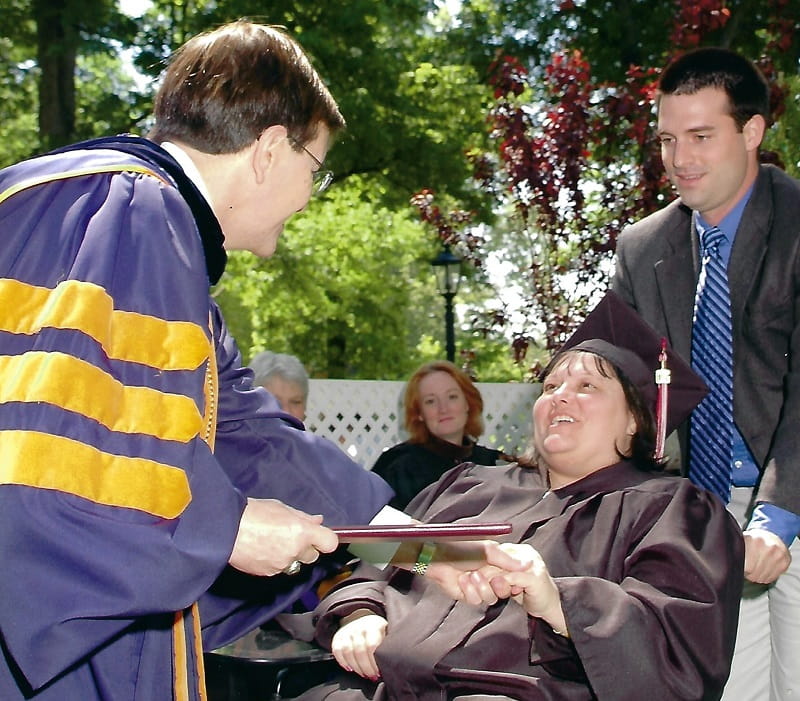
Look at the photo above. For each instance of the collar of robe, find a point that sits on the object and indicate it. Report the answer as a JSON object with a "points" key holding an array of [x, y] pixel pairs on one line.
{"points": [[207, 223]]}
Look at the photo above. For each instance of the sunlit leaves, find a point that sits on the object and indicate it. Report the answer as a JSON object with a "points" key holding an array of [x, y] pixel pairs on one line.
{"points": [[350, 290]]}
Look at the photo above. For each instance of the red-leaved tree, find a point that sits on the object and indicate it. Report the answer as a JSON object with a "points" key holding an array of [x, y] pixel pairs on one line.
{"points": [[575, 161]]}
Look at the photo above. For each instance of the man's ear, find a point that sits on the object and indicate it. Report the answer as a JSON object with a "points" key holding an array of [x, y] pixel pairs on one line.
{"points": [[267, 149], [753, 131]]}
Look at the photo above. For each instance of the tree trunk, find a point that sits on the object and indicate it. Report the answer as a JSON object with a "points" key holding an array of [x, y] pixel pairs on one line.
{"points": [[57, 42]]}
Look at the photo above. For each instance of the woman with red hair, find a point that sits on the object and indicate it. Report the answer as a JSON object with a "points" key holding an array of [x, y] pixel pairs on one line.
{"points": [[443, 417]]}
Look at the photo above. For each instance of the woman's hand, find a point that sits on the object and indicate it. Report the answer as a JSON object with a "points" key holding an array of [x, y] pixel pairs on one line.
{"points": [[452, 560], [355, 642], [529, 584]]}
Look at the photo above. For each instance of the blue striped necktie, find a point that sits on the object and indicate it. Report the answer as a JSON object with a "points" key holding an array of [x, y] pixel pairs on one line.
{"points": [[711, 435]]}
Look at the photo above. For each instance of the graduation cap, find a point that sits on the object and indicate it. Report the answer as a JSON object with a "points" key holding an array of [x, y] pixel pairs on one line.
{"points": [[615, 331]]}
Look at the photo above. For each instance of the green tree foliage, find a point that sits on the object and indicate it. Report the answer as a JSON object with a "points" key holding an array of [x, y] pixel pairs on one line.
{"points": [[67, 32], [61, 75], [109, 101], [409, 121], [784, 136], [613, 35], [18, 122], [349, 290], [414, 86]]}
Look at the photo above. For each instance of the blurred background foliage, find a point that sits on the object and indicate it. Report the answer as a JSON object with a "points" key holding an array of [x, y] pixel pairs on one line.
{"points": [[445, 98]]}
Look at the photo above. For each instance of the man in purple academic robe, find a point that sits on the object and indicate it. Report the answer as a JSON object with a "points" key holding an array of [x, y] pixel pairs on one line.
{"points": [[138, 463]]}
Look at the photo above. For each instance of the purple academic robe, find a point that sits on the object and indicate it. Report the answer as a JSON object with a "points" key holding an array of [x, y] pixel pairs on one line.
{"points": [[649, 568], [130, 435]]}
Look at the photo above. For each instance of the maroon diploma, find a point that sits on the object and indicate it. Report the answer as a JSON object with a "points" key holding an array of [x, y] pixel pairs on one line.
{"points": [[422, 531]]}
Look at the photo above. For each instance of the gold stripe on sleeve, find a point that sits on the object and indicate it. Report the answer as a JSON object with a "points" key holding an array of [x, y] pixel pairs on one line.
{"points": [[78, 173], [46, 461], [78, 386], [86, 307]]}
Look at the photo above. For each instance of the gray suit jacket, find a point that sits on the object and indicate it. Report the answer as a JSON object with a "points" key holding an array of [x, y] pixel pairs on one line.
{"points": [[656, 273]]}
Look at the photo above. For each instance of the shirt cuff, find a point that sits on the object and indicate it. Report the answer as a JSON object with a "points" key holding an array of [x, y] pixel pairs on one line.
{"points": [[381, 554], [768, 517]]}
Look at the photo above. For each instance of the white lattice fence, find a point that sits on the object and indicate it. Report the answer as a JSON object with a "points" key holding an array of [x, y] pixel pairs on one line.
{"points": [[364, 417]]}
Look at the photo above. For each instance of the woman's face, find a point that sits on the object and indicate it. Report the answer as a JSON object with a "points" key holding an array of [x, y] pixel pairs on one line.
{"points": [[581, 420], [289, 395], [443, 406]]}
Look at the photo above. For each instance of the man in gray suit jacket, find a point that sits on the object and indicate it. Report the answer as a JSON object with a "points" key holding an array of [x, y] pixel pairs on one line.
{"points": [[713, 107]]}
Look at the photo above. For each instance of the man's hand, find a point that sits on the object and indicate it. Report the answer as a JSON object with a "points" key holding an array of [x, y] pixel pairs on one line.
{"points": [[354, 644], [272, 535], [766, 556]]}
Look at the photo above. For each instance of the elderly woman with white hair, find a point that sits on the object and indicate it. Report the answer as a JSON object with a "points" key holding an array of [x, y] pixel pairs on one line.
{"points": [[285, 377]]}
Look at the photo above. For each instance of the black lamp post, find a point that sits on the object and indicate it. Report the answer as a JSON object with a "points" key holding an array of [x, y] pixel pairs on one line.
{"points": [[447, 267]]}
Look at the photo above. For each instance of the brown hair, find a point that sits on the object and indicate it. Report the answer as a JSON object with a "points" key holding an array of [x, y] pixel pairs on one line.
{"points": [[224, 87], [417, 430]]}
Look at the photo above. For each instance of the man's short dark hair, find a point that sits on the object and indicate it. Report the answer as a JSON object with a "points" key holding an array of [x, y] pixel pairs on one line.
{"points": [[710, 67]]}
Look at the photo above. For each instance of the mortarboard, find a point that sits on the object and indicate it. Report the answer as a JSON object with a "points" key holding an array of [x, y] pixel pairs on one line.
{"points": [[616, 332]]}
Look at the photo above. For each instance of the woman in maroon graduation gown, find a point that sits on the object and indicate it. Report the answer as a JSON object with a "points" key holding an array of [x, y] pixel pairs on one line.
{"points": [[632, 580]]}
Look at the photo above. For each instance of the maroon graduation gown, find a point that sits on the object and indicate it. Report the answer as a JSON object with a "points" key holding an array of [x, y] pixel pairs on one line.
{"points": [[649, 568]]}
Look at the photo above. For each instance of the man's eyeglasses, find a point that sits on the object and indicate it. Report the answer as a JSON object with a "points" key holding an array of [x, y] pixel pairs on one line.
{"points": [[321, 178]]}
